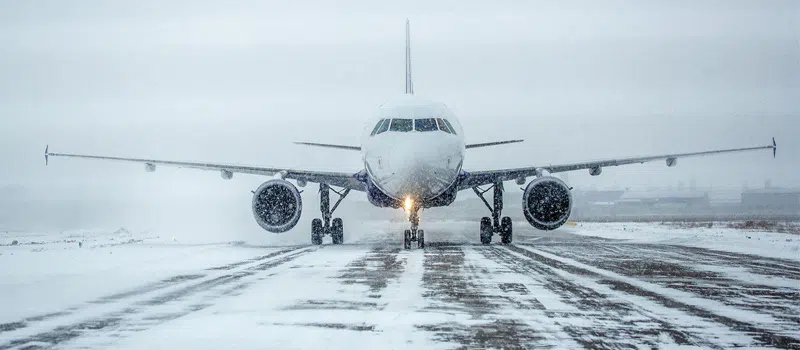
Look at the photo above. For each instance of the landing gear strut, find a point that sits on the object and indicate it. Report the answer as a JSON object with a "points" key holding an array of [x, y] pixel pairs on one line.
{"points": [[326, 226], [495, 224], [413, 234]]}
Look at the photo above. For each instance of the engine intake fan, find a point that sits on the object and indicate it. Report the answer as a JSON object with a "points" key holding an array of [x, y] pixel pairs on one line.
{"points": [[277, 205], [547, 203]]}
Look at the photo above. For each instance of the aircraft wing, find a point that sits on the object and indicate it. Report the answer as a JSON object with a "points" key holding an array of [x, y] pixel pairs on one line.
{"points": [[470, 179], [349, 148], [345, 180], [487, 144]]}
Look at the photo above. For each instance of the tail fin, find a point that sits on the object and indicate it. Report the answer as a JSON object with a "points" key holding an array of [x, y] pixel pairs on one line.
{"points": [[409, 82]]}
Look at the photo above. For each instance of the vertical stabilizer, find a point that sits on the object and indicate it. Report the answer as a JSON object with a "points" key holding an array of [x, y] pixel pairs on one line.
{"points": [[409, 82]]}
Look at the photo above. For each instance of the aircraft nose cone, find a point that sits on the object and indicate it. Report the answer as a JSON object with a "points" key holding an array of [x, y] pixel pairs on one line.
{"points": [[422, 171]]}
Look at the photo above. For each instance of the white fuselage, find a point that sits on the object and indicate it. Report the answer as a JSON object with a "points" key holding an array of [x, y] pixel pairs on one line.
{"points": [[420, 163]]}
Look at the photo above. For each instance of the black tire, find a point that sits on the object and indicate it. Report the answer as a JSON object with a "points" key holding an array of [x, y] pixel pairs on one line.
{"points": [[486, 230], [506, 231], [337, 231], [407, 239], [316, 232], [421, 239]]}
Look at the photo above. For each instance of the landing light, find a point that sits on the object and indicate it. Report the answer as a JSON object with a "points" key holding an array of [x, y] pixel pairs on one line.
{"points": [[408, 204]]}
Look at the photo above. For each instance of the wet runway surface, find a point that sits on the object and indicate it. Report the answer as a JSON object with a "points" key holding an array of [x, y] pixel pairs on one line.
{"points": [[547, 293]]}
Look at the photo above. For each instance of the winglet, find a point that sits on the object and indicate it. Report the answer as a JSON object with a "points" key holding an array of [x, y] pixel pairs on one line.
{"points": [[46, 154], [774, 148]]}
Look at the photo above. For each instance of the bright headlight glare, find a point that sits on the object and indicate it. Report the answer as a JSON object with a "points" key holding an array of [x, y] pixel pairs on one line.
{"points": [[408, 203]]}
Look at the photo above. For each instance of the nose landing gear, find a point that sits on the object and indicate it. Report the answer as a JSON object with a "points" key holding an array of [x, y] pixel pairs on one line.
{"points": [[413, 234], [326, 226], [495, 224]]}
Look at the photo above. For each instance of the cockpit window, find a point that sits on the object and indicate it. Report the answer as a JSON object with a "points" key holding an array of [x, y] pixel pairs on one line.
{"points": [[401, 125], [427, 124], [384, 126], [443, 126], [377, 126], [450, 126]]}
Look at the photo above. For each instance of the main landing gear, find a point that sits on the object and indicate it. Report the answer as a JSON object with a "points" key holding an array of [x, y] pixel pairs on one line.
{"points": [[413, 234], [326, 226], [490, 226]]}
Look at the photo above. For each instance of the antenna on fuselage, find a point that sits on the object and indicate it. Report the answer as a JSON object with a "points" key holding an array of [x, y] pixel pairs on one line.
{"points": [[409, 83]]}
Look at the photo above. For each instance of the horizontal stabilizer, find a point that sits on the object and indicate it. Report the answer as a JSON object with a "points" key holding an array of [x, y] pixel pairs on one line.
{"points": [[476, 145], [352, 148]]}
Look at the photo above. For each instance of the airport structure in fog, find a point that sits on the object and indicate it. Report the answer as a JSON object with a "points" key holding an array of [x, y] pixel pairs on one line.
{"points": [[706, 203]]}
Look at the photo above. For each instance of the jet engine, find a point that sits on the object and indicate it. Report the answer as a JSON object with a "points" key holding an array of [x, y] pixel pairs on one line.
{"points": [[277, 205], [547, 203]]}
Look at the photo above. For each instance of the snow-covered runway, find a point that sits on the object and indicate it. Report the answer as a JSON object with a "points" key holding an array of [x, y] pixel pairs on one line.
{"points": [[555, 291]]}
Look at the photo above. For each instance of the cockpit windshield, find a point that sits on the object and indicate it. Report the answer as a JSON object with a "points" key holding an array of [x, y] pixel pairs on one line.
{"points": [[450, 126], [384, 126], [443, 126], [406, 125], [427, 124], [401, 125], [377, 127]]}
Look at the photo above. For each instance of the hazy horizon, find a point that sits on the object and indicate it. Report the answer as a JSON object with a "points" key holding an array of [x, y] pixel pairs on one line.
{"points": [[237, 83]]}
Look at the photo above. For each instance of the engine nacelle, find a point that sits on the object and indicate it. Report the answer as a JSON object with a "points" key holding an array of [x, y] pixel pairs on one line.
{"points": [[547, 203], [227, 175], [594, 171], [277, 205], [149, 167]]}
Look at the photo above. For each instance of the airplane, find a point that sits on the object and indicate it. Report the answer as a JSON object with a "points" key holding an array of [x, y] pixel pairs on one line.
{"points": [[413, 156]]}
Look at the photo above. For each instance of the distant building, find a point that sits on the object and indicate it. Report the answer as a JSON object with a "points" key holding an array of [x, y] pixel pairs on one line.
{"points": [[593, 197], [772, 198], [686, 198], [725, 195]]}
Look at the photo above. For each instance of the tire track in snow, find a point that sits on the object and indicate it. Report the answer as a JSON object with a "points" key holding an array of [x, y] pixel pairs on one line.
{"points": [[452, 286], [131, 293], [368, 275], [374, 270], [174, 293], [521, 297], [597, 320], [629, 285], [757, 264], [703, 274], [760, 265], [403, 305]]}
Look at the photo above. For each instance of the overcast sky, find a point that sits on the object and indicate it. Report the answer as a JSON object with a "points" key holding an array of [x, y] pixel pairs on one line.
{"points": [[238, 81]]}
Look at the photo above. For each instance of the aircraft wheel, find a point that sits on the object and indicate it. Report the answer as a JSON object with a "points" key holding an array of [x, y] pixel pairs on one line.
{"points": [[486, 230], [506, 230], [337, 231], [316, 232], [407, 239], [421, 239]]}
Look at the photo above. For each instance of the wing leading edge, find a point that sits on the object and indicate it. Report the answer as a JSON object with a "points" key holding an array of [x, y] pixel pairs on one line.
{"points": [[487, 144], [478, 178], [356, 148], [345, 180], [327, 145]]}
